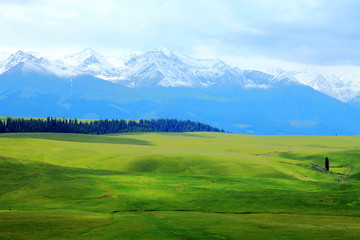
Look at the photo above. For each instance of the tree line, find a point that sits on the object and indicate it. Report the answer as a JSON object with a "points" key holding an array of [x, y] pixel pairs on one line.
{"points": [[11, 125]]}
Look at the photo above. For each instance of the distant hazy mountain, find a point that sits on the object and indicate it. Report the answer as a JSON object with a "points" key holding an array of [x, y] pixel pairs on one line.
{"points": [[159, 67], [342, 83], [160, 83]]}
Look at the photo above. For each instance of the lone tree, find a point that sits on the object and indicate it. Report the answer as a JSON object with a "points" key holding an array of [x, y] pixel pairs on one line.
{"points": [[327, 164]]}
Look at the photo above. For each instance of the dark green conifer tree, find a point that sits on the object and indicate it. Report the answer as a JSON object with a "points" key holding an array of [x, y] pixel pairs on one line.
{"points": [[327, 164]]}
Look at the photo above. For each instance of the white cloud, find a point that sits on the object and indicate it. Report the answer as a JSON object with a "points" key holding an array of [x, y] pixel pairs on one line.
{"points": [[17, 13], [306, 31]]}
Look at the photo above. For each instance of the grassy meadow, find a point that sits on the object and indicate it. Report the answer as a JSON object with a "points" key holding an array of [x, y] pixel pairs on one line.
{"points": [[178, 186]]}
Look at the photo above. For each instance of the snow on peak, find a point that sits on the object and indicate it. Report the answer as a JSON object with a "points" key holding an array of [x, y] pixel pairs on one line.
{"points": [[162, 67], [165, 51], [21, 56], [87, 55], [158, 67], [335, 82], [16, 58], [89, 61], [88, 51]]}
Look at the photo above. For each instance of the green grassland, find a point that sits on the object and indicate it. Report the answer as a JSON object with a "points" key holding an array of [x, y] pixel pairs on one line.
{"points": [[178, 186]]}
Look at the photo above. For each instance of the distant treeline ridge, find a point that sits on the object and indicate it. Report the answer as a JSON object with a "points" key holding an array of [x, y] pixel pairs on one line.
{"points": [[11, 125]]}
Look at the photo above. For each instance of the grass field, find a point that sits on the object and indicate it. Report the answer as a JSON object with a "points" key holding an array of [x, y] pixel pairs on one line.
{"points": [[178, 186]]}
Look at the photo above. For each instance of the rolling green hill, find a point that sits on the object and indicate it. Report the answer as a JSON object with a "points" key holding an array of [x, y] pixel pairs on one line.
{"points": [[178, 186]]}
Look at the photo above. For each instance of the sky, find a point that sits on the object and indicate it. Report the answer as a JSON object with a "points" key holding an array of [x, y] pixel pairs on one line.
{"points": [[244, 33]]}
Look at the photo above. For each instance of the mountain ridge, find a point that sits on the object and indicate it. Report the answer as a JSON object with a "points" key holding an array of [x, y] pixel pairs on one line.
{"points": [[209, 91], [168, 69]]}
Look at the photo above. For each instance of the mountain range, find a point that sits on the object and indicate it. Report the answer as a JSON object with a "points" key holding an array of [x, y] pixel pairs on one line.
{"points": [[161, 83]]}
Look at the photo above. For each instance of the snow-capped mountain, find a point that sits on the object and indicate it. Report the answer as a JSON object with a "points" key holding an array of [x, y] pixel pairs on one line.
{"points": [[161, 83], [159, 67], [340, 83], [90, 62], [164, 68], [15, 59], [85, 62], [42, 65]]}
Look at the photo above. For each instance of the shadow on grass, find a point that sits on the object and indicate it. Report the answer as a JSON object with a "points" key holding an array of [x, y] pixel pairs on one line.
{"points": [[71, 137]]}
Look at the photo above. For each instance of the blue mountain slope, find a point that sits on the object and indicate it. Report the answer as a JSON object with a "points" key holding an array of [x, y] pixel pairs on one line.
{"points": [[284, 108]]}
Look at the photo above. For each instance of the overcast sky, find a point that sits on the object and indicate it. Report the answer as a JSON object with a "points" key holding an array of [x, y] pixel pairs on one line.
{"points": [[313, 32]]}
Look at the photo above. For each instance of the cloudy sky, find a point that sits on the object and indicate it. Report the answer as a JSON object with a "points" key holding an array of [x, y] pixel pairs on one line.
{"points": [[242, 32]]}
